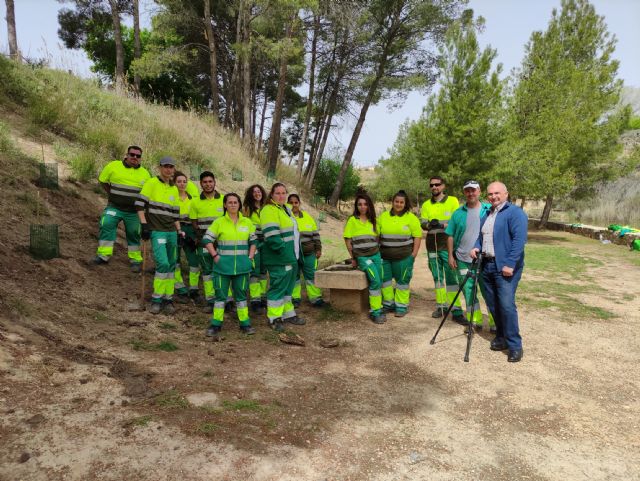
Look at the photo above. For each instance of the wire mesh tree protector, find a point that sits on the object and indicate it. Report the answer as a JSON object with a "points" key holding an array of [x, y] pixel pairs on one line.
{"points": [[48, 175], [44, 241]]}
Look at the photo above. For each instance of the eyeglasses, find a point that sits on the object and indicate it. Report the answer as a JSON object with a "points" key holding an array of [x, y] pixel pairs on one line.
{"points": [[135, 156], [435, 185]]}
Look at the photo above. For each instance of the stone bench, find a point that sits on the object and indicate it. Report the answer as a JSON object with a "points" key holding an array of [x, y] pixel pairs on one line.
{"points": [[348, 287]]}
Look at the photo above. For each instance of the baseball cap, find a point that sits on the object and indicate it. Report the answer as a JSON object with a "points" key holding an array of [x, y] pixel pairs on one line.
{"points": [[167, 161], [471, 184]]}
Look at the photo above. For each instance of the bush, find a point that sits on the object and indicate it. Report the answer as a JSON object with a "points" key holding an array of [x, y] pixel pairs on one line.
{"points": [[327, 176], [634, 123]]}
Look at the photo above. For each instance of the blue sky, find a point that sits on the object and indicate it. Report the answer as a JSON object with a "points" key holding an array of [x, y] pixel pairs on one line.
{"points": [[509, 24]]}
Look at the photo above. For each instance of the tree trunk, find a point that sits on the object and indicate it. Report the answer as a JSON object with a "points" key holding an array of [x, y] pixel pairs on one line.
{"points": [[137, 46], [14, 53], [318, 158], [235, 79], [226, 88], [117, 36], [335, 196], [523, 201], [246, 75], [213, 59], [546, 212], [312, 72], [274, 137], [262, 117]]}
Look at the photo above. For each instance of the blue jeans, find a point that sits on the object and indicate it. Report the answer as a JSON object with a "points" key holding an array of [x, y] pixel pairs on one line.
{"points": [[499, 293]]}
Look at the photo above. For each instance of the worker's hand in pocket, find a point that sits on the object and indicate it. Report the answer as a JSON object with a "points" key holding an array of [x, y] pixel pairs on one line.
{"points": [[507, 271]]}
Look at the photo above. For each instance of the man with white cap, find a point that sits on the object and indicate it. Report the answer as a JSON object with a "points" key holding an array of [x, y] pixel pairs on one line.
{"points": [[159, 212], [463, 230]]}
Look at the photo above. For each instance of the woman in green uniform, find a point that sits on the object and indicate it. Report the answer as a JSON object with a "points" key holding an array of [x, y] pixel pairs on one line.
{"points": [[231, 242], [254, 199], [400, 235], [188, 245], [311, 252], [361, 239], [280, 253]]}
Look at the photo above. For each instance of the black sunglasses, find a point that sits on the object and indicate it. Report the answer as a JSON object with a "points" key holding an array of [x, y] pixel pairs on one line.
{"points": [[135, 156], [435, 185]]}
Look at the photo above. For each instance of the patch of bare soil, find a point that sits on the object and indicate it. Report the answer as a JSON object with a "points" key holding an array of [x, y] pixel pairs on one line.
{"points": [[86, 391]]}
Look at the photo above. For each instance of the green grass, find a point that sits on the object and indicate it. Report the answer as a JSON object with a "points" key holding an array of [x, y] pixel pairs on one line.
{"points": [[330, 314], [172, 399], [141, 345], [557, 260], [207, 428], [243, 405], [140, 421]]}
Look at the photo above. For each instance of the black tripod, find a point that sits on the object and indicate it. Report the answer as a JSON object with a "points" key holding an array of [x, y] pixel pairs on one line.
{"points": [[474, 272]]}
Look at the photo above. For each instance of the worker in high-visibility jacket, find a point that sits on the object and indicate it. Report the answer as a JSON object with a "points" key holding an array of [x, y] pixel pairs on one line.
{"points": [[159, 210], [280, 253], [434, 217], [400, 236], [204, 210], [184, 295], [122, 180], [254, 199], [311, 252], [231, 243], [361, 237], [463, 230]]}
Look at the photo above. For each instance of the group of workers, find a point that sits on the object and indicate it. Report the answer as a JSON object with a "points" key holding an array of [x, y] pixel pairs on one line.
{"points": [[261, 245]]}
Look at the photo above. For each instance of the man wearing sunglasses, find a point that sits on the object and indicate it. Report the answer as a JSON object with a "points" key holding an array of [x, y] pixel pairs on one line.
{"points": [[434, 217], [122, 180]]}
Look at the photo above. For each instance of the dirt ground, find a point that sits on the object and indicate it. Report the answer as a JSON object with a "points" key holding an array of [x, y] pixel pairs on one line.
{"points": [[91, 390]]}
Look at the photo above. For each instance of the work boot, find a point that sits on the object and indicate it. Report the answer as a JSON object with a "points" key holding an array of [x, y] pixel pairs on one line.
{"points": [[378, 318], [214, 333], [319, 303], [155, 308], [195, 296], [459, 317], [296, 321], [439, 312], [182, 299], [386, 309], [400, 313], [98, 261], [169, 308], [296, 303], [135, 267], [248, 330], [256, 307], [208, 309], [277, 325]]}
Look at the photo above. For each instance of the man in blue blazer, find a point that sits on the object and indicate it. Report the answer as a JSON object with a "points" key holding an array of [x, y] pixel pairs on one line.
{"points": [[503, 234]]}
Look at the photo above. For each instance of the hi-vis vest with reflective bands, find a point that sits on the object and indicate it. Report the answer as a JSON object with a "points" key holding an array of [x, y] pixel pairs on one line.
{"points": [[441, 210], [255, 218], [309, 234], [206, 211], [232, 241], [160, 203], [277, 228], [185, 207], [125, 184], [364, 240], [397, 234]]}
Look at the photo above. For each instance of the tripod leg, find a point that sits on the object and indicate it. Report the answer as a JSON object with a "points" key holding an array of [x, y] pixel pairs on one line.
{"points": [[450, 308]]}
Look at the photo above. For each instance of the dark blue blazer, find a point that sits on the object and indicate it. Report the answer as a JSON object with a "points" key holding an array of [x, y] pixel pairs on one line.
{"points": [[509, 236]]}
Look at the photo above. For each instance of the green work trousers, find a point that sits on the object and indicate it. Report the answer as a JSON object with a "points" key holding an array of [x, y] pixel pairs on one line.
{"points": [[109, 220], [372, 267], [314, 294], [164, 246], [281, 282], [401, 271], [445, 280], [471, 302], [258, 279], [238, 285], [192, 260], [206, 267]]}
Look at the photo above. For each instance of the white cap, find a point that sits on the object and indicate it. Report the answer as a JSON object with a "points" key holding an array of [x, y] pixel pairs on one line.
{"points": [[471, 184]]}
